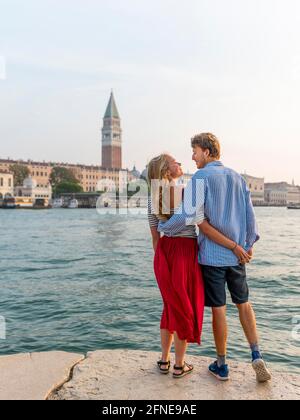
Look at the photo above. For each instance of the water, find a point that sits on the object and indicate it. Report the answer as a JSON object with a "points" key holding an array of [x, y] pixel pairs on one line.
{"points": [[78, 281]]}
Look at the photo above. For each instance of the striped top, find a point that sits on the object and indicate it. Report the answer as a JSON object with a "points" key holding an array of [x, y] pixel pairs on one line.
{"points": [[221, 196], [185, 232]]}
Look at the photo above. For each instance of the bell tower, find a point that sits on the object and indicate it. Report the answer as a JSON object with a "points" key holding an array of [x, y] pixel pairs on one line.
{"points": [[112, 137]]}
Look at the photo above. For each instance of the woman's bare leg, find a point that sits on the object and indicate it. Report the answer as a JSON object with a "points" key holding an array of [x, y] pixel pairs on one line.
{"points": [[166, 344], [180, 350]]}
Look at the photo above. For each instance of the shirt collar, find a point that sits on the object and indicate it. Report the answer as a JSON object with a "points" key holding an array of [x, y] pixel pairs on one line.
{"points": [[214, 163]]}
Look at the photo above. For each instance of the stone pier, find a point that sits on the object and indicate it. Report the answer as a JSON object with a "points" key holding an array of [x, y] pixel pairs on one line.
{"points": [[130, 375]]}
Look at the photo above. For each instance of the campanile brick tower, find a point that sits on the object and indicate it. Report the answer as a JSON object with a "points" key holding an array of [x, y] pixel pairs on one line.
{"points": [[112, 137]]}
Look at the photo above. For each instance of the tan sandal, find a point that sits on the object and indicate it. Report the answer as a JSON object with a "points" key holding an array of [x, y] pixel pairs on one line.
{"points": [[160, 363], [183, 372]]}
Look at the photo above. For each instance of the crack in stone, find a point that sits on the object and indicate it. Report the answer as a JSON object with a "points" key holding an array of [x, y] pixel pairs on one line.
{"points": [[54, 392]]}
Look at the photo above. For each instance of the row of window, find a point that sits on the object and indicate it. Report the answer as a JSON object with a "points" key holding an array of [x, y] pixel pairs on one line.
{"points": [[256, 188], [36, 196], [81, 176], [276, 196], [37, 173], [2, 182], [96, 178]]}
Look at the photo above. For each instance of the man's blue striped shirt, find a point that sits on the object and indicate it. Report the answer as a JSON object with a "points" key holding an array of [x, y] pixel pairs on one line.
{"points": [[221, 196]]}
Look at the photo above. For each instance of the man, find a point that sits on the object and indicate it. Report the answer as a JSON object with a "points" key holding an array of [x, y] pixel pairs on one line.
{"points": [[220, 195]]}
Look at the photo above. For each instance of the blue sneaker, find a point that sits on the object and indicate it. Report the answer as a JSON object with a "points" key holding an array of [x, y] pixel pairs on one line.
{"points": [[260, 368], [221, 373]]}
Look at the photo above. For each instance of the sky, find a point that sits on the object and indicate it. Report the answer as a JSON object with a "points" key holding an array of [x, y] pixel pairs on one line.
{"points": [[177, 69]]}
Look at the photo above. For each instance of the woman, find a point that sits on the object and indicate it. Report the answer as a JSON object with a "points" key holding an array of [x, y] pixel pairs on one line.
{"points": [[176, 266]]}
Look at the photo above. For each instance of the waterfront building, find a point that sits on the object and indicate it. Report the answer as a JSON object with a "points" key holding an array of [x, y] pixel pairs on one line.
{"points": [[276, 193], [282, 193], [30, 192], [293, 194], [6, 184], [88, 176], [257, 189], [91, 177]]}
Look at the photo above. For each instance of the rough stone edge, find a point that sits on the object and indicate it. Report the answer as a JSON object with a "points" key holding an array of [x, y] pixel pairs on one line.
{"points": [[57, 387], [55, 390]]}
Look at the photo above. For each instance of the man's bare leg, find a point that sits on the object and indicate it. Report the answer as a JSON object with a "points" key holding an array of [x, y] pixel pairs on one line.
{"points": [[248, 321], [220, 330], [220, 369]]}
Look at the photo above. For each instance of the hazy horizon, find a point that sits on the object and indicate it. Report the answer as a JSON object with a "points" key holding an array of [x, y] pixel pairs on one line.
{"points": [[225, 67]]}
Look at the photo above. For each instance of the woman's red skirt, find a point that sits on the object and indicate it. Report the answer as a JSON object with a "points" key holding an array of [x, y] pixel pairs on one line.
{"points": [[180, 281]]}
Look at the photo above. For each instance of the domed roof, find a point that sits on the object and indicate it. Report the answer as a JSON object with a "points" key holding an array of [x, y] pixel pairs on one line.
{"points": [[135, 172], [29, 182]]}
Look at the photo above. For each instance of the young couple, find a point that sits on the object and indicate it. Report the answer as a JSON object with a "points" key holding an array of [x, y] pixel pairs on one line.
{"points": [[193, 273]]}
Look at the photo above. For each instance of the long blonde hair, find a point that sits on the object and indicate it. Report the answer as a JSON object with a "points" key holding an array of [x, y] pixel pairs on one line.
{"points": [[159, 171]]}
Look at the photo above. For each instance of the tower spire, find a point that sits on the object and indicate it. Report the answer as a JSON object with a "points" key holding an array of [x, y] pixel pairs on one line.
{"points": [[112, 110]]}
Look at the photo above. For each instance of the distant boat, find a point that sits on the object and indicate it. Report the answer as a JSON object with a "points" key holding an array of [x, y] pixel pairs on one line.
{"points": [[73, 204], [40, 204], [57, 203], [24, 203], [294, 206], [9, 203]]}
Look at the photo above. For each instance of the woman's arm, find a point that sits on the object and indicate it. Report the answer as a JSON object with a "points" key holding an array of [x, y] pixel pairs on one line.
{"points": [[153, 224], [155, 237], [220, 239]]}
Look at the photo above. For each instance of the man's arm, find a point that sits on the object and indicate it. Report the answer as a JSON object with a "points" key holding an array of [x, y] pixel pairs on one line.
{"points": [[190, 212], [214, 235], [252, 228]]}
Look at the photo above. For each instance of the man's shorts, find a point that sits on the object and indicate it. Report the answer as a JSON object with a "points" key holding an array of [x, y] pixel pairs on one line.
{"points": [[215, 279]]}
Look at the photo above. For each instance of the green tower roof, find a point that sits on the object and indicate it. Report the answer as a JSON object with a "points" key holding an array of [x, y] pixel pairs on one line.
{"points": [[112, 110]]}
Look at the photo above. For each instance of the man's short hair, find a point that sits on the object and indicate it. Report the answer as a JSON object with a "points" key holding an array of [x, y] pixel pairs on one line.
{"points": [[208, 141]]}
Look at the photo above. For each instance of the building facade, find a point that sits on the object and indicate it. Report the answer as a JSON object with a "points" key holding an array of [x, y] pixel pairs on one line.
{"points": [[91, 178], [293, 194], [257, 189], [275, 197], [27, 194], [276, 194], [282, 194], [6, 184]]}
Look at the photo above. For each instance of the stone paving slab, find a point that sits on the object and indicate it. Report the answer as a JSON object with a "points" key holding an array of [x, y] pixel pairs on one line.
{"points": [[32, 376]]}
